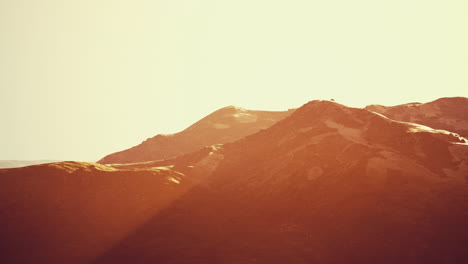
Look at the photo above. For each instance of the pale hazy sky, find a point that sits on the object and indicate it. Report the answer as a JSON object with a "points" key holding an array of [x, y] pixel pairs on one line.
{"points": [[84, 78]]}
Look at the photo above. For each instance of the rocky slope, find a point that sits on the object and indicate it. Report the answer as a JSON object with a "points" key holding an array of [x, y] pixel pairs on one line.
{"points": [[445, 113], [329, 184], [224, 125]]}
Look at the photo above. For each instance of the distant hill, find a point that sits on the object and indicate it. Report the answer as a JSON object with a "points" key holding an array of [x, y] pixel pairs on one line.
{"points": [[222, 126], [22, 163], [449, 113]]}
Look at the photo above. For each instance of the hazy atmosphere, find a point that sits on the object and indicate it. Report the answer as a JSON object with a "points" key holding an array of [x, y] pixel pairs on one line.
{"points": [[82, 79]]}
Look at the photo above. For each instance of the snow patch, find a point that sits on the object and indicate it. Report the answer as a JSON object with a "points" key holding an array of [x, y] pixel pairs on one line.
{"points": [[216, 147], [174, 180], [416, 128], [221, 126], [245, 117], [163, 168]]}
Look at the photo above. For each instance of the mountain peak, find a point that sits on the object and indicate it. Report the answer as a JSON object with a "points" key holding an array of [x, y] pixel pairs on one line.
{"points": [[226, 111], [222, 126], [233, 107], [323, 106], [323, 103], [320, 111]]}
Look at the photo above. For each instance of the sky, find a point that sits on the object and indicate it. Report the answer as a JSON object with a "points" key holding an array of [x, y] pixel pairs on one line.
{"points": [[82, 79]]}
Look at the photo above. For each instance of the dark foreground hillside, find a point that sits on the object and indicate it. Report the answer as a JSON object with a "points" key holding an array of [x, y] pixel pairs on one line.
{"points": [[72, 212]]}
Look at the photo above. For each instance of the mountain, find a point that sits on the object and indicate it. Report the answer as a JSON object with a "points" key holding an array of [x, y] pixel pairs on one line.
{"points": [[22, 163], [222, 126], [445, 113], [72, 212], [328, 184]]}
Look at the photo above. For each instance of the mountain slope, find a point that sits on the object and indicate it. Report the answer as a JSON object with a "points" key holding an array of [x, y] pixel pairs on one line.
{"points": [[328, 184], [72, 212], [445, 113], [224, 125]]}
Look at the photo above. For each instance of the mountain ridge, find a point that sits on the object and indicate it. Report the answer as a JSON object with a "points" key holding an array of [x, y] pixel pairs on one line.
{"points": [[224, 125], [448, 113]]}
